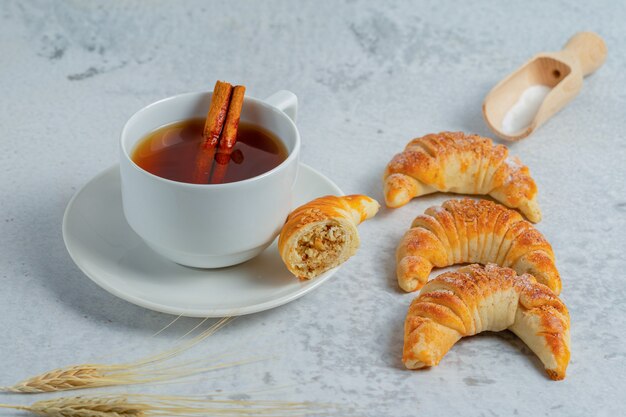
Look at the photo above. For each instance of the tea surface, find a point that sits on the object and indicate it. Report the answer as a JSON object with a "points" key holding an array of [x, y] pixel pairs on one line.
{"points": [[171, 151]]}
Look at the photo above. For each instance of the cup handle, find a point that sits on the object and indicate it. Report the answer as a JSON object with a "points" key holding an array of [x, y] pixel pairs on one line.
{"points": [[285, 101]]}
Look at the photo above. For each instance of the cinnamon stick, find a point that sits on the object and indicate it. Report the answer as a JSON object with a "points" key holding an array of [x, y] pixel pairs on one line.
{"points": [[229, 134], [216, 116]]}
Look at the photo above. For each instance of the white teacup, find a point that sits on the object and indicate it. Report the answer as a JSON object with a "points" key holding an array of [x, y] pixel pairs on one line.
{"points": [[210, 225]]}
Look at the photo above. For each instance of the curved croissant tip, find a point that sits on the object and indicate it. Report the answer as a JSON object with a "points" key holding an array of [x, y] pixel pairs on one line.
{"points": [[396, 198], [369, 205], [414, 364], [363, 207], [410, 285], [534, 216], [370, 210], [531, 210], [555, 375]]}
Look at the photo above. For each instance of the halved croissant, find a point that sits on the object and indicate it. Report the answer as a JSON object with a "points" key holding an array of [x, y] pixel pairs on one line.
{"points": [[322, 234], [464, 164], [467, 230], [476, 299]]}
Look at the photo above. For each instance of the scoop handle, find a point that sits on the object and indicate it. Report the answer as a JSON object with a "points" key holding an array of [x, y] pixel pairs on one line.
{"points": [[589, 49]]}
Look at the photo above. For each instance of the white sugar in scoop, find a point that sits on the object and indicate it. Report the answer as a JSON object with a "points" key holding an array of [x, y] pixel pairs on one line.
{"points": [[529, 96], [525, 109]]}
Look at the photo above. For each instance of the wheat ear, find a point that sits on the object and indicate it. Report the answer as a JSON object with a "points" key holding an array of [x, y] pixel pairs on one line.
{"points": [[154, 405], [149, 369]]}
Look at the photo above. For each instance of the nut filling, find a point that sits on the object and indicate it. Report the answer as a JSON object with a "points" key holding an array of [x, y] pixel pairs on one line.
{"points": [[320, 248]]}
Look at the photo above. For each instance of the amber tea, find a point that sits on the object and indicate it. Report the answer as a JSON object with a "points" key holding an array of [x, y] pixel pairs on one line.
{"points": [[171, 152]]}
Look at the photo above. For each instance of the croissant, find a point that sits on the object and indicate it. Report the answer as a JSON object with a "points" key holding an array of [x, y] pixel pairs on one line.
{"points": [[322, 234], [476, 299], [464, 164], [466, 231]]}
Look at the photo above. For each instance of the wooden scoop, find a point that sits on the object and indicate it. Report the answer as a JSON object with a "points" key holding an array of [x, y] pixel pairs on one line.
{"points": [[561, 71]]}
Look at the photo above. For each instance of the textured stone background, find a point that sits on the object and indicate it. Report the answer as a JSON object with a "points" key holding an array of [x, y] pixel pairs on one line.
{"points": [[369, 77]]}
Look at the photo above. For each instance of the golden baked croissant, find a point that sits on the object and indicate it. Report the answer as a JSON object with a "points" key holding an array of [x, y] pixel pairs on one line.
{"points": [[466, 231], [322, 234], [464, 164], [476, 299]]}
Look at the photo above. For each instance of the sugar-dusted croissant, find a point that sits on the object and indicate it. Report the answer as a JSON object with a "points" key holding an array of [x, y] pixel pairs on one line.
{"points": [[464, 164], [465, 231], [322, 234], [476, 299]]}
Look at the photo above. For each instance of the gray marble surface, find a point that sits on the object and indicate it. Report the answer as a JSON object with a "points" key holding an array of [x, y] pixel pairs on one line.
{"points": [[369, 77]]}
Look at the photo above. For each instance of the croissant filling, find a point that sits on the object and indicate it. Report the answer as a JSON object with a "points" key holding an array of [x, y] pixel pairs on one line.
{"points": [[319, 249]]}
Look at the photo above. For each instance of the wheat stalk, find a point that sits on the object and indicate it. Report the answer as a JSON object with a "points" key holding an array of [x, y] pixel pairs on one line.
{"points": [[154, 405], [149, 369]]}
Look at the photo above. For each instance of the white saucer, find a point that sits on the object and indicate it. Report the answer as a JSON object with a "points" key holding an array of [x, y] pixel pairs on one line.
{"points": [[105, 248]]}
